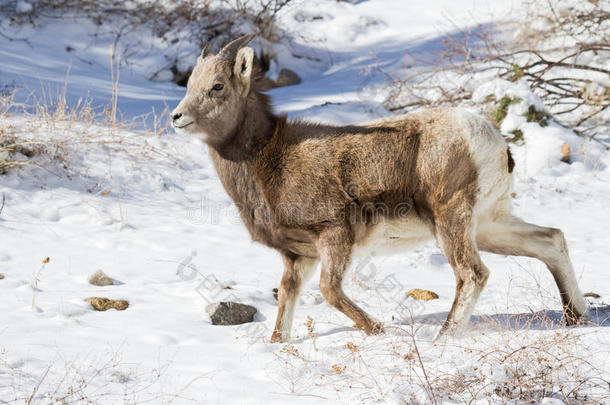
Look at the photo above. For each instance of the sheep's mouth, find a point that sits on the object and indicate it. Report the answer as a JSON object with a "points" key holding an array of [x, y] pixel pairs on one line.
{"points": [[183, 126]]}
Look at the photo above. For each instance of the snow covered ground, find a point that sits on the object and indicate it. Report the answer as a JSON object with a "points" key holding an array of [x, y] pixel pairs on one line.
{"points": [[150, 212]]}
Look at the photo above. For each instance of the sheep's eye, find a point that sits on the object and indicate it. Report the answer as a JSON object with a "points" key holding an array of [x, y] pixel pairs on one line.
{"points": [[218, 86]]}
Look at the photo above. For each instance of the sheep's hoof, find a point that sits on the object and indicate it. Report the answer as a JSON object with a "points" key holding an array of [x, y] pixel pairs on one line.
{"points": [[572, 320], [376, 329], [371, 328], [277, 337]]}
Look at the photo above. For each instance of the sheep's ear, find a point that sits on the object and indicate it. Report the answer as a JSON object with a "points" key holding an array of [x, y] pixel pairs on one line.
{"points": [[242, 69]]}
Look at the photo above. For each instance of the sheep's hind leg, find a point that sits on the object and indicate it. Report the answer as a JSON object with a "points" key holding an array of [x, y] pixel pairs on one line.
{"points": [[509, 235], [455, 235]]}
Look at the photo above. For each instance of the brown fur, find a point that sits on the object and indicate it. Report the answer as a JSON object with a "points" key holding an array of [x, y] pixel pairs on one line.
{"points": [[313, 192], [307, 178]]}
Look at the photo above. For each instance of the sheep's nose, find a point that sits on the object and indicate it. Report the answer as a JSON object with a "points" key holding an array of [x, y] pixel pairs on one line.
{"points": [[176, 116]]}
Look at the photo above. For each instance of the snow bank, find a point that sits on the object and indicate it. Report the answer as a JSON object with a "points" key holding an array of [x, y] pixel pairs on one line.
{"points": [[541, 149]]}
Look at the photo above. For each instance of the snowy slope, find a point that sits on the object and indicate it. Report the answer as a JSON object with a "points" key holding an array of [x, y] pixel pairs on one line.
{"points": [[151, 213]]}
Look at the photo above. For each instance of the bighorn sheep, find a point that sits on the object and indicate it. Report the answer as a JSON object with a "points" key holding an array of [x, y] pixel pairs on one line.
{"points": [[323, 193]]}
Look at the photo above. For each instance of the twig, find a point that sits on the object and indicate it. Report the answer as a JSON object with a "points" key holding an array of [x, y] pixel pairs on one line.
{"points": [[37, 387], [421, 363]]}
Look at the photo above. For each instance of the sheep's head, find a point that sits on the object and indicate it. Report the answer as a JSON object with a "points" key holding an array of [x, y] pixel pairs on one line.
{"points": [[216, 93]]}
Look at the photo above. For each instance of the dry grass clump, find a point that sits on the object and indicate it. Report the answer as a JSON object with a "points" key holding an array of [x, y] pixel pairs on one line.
{"points": [[21, 143], [13, 151], [27, 143], [50, 134]]}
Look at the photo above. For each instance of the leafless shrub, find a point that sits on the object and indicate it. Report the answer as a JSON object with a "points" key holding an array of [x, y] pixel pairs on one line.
{"points": [[508, 357], [500, 365], [560, 50], [175, 23], [87, 379]]}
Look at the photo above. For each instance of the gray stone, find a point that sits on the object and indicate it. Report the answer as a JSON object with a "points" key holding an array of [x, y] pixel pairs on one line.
{"points": [[230, 313], [1, 276], [99, 278], [287, 77]]}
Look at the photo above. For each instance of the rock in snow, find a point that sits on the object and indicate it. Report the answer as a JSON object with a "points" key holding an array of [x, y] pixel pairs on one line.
{"points": [[100, 278], [230, 313], [287, 77], [103, 304], [424, 295]]}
